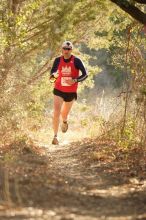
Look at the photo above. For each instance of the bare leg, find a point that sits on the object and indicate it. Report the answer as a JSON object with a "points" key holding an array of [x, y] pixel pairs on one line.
{"points": [[58, 101], [66, 107]]}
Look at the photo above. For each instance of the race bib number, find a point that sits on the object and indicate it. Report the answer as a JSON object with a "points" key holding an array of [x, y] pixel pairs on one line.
{"points": [[63, 81]]}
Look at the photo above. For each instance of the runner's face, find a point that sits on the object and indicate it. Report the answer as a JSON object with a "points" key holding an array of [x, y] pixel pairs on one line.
{"points": [[65, 51]]}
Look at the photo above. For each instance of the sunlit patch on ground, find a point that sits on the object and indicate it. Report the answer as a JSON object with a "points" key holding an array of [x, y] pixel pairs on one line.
{"points": [[44, 136], [57, 214]]}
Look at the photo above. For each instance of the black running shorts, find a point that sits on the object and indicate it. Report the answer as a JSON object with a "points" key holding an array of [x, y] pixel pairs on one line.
{"points": [[67, 96]]}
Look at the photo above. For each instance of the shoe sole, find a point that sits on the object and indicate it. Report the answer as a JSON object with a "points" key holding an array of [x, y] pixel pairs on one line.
{"points": [[64, 127], [55, 142]]}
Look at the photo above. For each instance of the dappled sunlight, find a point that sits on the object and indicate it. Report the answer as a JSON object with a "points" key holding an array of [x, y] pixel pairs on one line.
{"points": [[32, 213], [43, 137], [98, 169], [66, 183], [118, 191]]}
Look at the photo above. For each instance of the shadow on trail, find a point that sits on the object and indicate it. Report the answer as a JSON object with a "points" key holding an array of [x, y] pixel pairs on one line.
{"points": [[64, 184]]}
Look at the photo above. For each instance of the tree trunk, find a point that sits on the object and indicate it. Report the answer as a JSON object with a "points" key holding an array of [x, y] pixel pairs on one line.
{"points": [[132, 10]]}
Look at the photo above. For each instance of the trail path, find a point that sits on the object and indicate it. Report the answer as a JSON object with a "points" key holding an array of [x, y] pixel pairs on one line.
{"points": [[76, 181]]}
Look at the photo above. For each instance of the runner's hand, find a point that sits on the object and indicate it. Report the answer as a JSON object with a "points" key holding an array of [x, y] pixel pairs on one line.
{"points": [[56, 74], [53, 77]]}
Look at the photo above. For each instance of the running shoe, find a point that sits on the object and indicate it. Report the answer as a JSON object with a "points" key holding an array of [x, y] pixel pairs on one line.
{"points": [[55, 141], [64, 126]]}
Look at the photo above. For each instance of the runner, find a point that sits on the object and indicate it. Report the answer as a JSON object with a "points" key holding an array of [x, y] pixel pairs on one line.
{"points": [[65, 74]]}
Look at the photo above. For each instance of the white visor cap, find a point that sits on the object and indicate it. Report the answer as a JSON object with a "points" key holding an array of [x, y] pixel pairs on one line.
{"points": [[67, 44]]}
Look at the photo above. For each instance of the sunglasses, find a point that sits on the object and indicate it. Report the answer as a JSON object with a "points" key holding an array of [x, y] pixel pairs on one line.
{"points": [[65, 48]]}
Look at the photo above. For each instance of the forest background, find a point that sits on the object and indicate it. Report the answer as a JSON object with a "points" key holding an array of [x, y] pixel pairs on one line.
{"points": [[109, 36], [99, 169]]}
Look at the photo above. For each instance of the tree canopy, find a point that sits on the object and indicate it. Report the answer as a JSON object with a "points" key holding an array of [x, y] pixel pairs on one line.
{"points": [[134, 8]]}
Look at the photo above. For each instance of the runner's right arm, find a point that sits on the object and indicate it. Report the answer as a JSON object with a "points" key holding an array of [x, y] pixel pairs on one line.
{"points": [[55, 66]]}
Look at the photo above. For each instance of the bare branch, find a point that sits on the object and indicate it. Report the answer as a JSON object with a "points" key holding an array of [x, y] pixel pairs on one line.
{"points": [[132, 10], [141, 1]]}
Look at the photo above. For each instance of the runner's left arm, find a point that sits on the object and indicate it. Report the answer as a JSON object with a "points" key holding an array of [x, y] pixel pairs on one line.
{"points": [[79, 65]]}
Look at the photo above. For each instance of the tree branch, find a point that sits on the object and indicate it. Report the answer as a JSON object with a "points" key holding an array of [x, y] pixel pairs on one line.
{"points": [[132, 10], [37, 26], [141, 1]]}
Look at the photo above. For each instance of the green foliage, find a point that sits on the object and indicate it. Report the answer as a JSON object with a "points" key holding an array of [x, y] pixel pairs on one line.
{"points": [[31, 34], [128, 136], [143, 90]]}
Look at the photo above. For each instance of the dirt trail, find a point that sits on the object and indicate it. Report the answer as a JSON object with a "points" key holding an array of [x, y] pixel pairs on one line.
{"points": [[78, 181]]}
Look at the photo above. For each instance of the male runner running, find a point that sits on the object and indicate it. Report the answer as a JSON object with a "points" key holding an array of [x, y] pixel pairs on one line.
{"points": [[66, 71]]}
